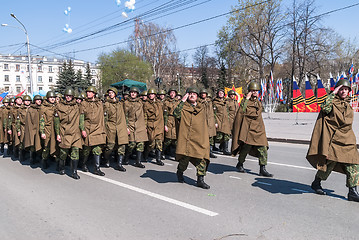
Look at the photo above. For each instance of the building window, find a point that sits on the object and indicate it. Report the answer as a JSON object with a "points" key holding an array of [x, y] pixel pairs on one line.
{"points": [[6, 78], [50, 69], [93, 81], [18, 89], [6, 66], [17, 78], [40, 88], [39, 79], [7, 89], [60, 69], [27, 68], [39, 68], [93, 72], [50, 79], [29, 89], [17, 67]]}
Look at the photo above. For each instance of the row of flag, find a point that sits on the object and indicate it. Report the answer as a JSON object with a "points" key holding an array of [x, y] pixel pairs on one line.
{"points": [[4, 94], [275, 91]]}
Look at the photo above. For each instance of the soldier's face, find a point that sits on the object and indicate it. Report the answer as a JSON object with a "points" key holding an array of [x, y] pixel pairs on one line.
{"points": [[51, 99], [133, 94], [172, 94], [221, 94], [343, 92], [192, 97], [38, 102], [203, 95], [254, 93], [144, 98], [111, 94], [27, 102], [6, 104], [231, 96], [68, 98], [151, 96], [161, 96], [18, 101], [78, 100], [90, 95]]}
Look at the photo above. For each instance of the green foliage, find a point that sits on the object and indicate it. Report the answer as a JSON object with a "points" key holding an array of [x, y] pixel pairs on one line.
{"points": [[120, 65], [67, 77]]}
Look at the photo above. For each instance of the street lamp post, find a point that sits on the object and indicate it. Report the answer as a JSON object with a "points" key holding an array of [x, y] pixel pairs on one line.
{"points": [[28, 48]]}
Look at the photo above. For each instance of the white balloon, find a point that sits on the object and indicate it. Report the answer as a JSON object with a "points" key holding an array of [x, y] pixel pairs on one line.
{"points": [[118, 2], [69, 9], [69, 30], [65, 12], [66, 26], [124, 15]]}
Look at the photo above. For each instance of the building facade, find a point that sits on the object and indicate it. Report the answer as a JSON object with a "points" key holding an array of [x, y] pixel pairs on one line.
{"points": [[14, 73]]}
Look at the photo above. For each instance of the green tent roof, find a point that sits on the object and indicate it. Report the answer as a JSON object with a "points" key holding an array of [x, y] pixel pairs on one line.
{"points": [[130, 83]]}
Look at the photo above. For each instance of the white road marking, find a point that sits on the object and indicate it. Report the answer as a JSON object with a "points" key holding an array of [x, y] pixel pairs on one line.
{"points": [[189, 168], [299, 190], [235, 177], [168, 164], [154, 195], [264, 183]]}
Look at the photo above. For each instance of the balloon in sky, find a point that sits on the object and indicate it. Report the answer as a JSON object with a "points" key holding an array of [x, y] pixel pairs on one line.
{"points": [[118, 2], [124, 15], [67, 25]]}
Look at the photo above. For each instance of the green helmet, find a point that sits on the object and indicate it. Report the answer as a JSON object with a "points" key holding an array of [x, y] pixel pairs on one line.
{"points": [[69, 92], [172, 89], [6, 100], [253, 86], [126, 93], [192, 90], [26, 98], [162, 92], [209, 95], [144, 93], [37, 97], [59, 95], [91, 89], [220, 90], [203, 90], [77, 94], [135, 89], [231, 92], [343, 82], [151, 90], [113, 89], [12, 100], [50, 94], [83, 95], [17, 97]]}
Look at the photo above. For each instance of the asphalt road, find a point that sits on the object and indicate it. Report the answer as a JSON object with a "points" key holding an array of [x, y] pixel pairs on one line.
{"points": [[150, 204]]}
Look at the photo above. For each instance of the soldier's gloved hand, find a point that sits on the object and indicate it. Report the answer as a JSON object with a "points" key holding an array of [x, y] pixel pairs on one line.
{"points": [[128, 131], [58, 138], [336, 90], [43, 136], [18, 134], [84, 134], [184, 99], [166, 129], [9, 132], [216, 125], [249, 94]]}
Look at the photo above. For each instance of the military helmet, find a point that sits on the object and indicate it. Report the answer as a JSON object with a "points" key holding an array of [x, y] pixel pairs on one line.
{"points": [[6, 100], [135, 89], [144, 93], [69, 92], [91, 89], [26, 98], [162, 92], [17, 97], [180, 94], [113, 89], [203, 90], [37, 97], [209, 95], [50, 94], [192, 90], [82, 95], [59, 95], [231, 92], [220, 90], [151, 90], [126, 93], [77, 94], [253, 86], [343, 82], [172, 89], [12, 100]]}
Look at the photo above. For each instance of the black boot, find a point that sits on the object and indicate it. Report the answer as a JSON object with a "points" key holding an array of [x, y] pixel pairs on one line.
{"points": [[225, 148], [44, 163], [84, 163], [9, 150], [211, 155], [97, 166], [145, 156], [353, 194], [158, 158], [201, 183], [21, 155], [16, 152], [138, 160], [74, 165], [2, 148], [107, 157], [31, 157], [317, 187], [180, 177], [263, 172], [119, 166], [215, 148], [61, 167], [240, 167]]}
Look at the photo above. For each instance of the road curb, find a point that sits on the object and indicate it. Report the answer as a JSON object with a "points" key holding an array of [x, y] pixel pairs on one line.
{"points": [[289, 140]]}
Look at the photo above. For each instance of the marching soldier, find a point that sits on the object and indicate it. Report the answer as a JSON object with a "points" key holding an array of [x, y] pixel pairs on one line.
{"points": [[143, 96], [124, 96], [116, 129], [2, 130], [170, 122], [14, 124], [333, 144], [47, 130], [67, 124], [93, 130], [232, 107], [58, 97], [7, 136], [222, 118], [136, 126], [193, 141], [161, 95], [8, 127], [153, 111], [249, 134]]}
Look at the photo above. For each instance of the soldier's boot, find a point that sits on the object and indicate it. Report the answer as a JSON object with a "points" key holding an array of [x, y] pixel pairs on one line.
{"points": [[353, 194], [180, 177], [74, 165], [31, 157], [317, 187], [201, 183], [138, 160], [84, 163], [44, 163], [158, 158], [225, 148], [215, 148], [21, 155], [152, 153], [263, 171], [97, 166], [145, 156], [126, 160], [107, 157], [119, 166], [62, 167], [211, 155], [16, 152], [240, 167], [9, 150], [2, 148]]}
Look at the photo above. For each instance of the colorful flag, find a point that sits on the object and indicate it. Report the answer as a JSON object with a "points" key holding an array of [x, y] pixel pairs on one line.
{"points": [[279, 90], [310, 100], [19, 94], [271, 86], [350, 73], [321, 93], [298, 100], [3, 95], [263, 89], [332, 83]]}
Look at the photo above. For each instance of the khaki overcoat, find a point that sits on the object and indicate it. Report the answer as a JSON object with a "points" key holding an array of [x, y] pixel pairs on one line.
{"points": [[153, 110], [22, 117], [135, 120], [222, 117], [69, 128], [193, 138], [169, 106], [2, 130], [47, 112], [249, 127], [211, 120], [333, 137], [14, 117], [32, 128], [116, 129], [6, 115], [94, 122], [233, 106]]}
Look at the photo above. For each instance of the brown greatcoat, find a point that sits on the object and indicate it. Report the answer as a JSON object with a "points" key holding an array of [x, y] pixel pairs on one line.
{"points": [[193, 138], [32, 128], [333, 137], [211, 120], [233, 106], [155, 123], [6, 114], [135, 120], [116, 128], [47, 111], [169, 106], [69, 129], [94, 122], [14, 116], [22, 117], [249, 127], [221, 111], [2, 130]]}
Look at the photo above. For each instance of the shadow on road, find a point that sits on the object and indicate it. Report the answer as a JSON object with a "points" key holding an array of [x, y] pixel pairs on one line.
{"points": [[217, 168], [165, 177], [273, 185]]}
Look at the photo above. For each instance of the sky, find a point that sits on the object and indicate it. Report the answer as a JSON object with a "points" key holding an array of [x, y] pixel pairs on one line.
{"points": [[45, 20]]}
